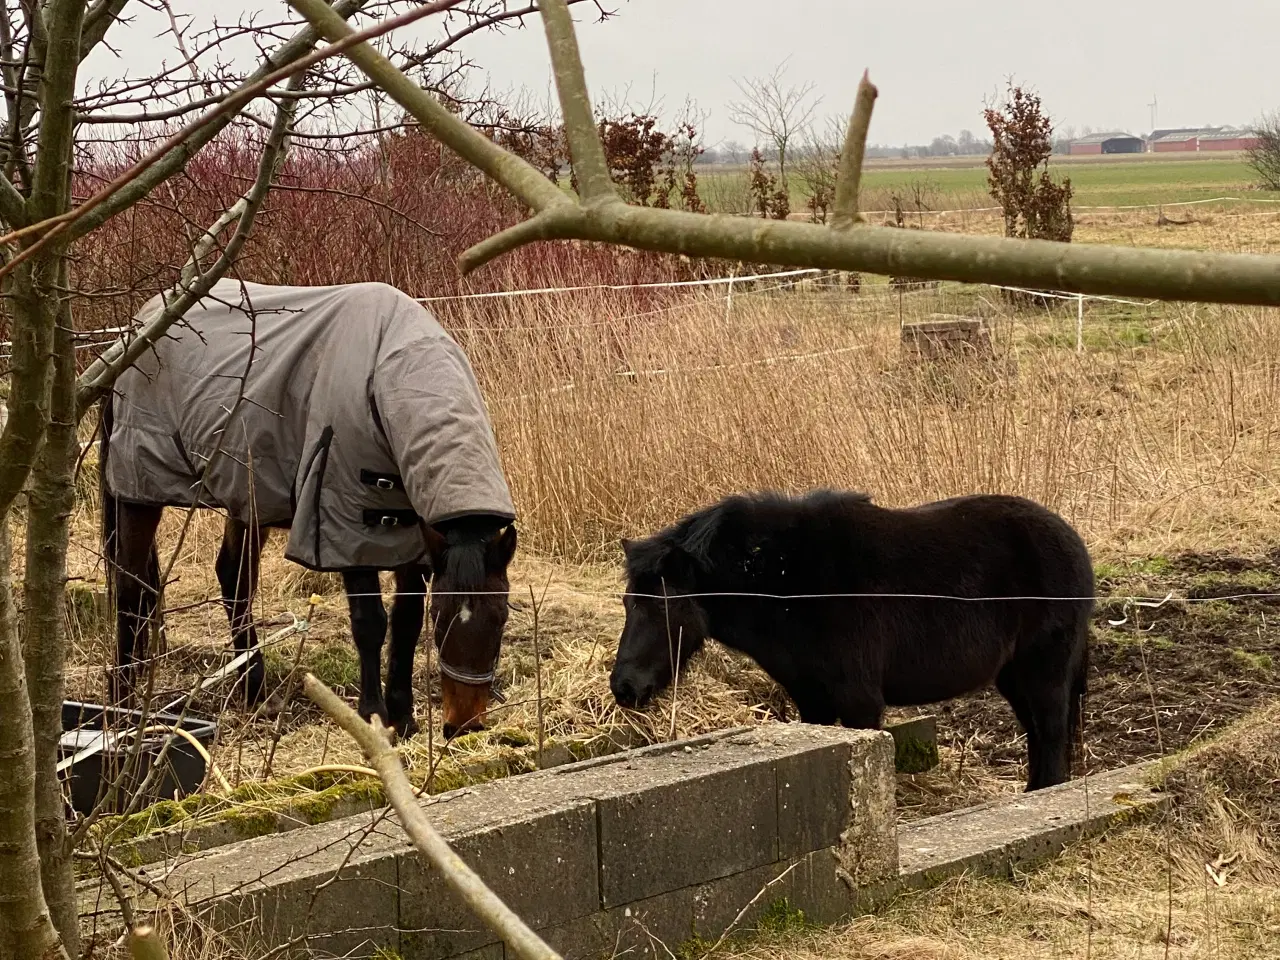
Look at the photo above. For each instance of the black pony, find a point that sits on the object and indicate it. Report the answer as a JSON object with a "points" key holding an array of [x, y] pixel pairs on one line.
{"points": [[467, 562], [759, 574]]}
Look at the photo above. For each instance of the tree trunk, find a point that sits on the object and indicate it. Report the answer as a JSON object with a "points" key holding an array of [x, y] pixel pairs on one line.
{"points": [[27, 931], [50, 501]]}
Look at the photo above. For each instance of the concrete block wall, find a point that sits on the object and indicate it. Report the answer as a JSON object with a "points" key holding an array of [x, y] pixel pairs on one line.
{"points": [[628, 852], [946, 336]]}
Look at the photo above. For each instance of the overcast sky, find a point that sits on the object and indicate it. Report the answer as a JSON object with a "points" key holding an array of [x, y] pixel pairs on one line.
{"points": [[1098, 64]]}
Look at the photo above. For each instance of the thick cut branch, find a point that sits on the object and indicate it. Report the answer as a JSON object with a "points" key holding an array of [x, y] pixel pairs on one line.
{"points": [[585, 148], [192, 283], [504, 167], [1039, 264], [464, 881], [849, 179]]}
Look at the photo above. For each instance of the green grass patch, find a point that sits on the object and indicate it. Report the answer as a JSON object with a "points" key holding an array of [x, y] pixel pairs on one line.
{"points": [[1095, 184], [1253, 662], [1141, 179], [1125, 569]]}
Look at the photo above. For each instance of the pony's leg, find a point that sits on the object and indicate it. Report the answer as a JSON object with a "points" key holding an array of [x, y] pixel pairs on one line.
{"points": [[1052, 706], [135, 577], [1010, 684], [1044, 671], [407, 614], [237, 567], [861, 709], [813, 702], [369, 630]]}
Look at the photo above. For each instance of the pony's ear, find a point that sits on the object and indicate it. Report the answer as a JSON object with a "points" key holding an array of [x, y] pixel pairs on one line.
{"points": [[502, 549], [436, 544]]}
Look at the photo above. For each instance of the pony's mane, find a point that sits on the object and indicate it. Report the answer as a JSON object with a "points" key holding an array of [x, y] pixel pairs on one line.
{"points": [[695, 534]]}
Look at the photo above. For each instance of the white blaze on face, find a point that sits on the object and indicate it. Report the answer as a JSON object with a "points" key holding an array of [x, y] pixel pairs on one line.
{"points": [[464, 614]]}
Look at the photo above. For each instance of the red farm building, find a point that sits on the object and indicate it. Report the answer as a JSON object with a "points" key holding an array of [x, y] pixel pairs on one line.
{"points": [[1197, 139], [1230, 140]]}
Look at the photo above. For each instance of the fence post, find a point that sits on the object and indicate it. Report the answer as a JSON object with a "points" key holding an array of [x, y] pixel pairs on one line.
{"points": [[1080, 323], [728, 300]]}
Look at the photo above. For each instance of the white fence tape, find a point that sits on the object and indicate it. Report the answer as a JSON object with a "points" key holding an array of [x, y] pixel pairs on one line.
{"points": [[717, 281]]}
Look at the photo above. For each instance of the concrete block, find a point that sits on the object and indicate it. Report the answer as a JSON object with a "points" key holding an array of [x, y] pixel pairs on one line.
{"points": [[995, 837], [813, 799], [717, 904], [915, 744], [343, 903], [543, 865], [868, 848], [634, 851], [820, 891], [588, 938], [684, 831]]}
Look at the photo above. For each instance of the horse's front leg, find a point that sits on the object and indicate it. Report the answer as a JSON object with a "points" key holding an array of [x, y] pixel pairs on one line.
{"points": [[407, 614], [369, 630], [135, 574]]}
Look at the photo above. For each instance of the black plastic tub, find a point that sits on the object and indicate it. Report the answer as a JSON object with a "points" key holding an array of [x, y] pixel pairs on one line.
{"points": [[90, 772]]}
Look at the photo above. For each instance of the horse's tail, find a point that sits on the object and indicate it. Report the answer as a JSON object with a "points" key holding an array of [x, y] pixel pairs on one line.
{"points": [[109, 505]]}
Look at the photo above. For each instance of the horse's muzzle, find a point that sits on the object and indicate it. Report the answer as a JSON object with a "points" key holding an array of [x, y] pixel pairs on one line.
{"points": [[464, 706]]}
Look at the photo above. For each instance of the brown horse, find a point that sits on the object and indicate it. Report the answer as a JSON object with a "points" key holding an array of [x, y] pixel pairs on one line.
{"points": [[348, 417]]}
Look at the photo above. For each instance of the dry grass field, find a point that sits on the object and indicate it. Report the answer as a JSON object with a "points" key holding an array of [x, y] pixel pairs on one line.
{"points": [[1159, 440]]}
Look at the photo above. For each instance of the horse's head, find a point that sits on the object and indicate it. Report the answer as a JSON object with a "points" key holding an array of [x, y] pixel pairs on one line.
{"points": [[469, 559], [664, 626]]}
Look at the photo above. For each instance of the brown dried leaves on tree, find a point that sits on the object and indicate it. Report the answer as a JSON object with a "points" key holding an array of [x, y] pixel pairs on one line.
{"points": [[1035, 206]]}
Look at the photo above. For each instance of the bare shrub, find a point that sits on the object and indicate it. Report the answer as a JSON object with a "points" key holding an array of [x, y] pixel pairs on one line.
{"points": [[1264, 158], [775, 111]]}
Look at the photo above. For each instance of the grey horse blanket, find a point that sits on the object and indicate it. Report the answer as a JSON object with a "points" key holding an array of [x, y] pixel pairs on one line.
{"points": [[360, 418]]}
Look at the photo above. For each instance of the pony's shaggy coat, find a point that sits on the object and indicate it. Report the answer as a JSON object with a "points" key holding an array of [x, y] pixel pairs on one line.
{"points": [[852, 607]]}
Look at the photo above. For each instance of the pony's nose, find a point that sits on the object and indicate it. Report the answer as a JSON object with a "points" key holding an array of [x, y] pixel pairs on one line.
{"points": [[628, 693]]}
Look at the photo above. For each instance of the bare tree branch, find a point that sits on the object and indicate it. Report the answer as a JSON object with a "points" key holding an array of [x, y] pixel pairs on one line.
{"points": [[194, 284], [1078, 268], [150, 170], [287, 54], [774, 111], [465, 882], [505, 168], [97, 21], [575, 103], [13, 206]]}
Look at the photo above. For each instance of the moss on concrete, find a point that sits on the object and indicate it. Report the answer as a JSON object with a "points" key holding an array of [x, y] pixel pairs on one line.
{"points": [[914, 755]]}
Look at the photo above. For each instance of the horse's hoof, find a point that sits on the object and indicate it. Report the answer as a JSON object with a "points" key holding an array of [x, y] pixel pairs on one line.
{"points": [[407, 729], [271, 708]]}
